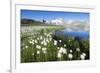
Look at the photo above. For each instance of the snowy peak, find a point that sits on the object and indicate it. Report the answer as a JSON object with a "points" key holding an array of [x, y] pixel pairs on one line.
{"points": [[58, 21]]}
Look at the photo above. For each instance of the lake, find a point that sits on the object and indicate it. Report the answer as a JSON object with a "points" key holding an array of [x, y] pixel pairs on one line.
{"points": [[78, 34]]}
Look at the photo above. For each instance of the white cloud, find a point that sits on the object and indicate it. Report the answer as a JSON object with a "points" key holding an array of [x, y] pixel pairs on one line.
{"points": [[77, 25], [70, 25], [69, 21]]}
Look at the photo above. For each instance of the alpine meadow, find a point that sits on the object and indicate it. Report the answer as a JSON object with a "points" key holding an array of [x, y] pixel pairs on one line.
{"points": [[48, 36]]}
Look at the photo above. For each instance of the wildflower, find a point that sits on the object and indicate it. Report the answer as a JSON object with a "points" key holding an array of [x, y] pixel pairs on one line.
{"points": [[30, 42], [58, 48], [38, 39], [38, 47], [82, 57], [50, 38], [26, 46], [33, 54], [44, 52], [45, 43], [43, 49], [45, 33], [60, 41], [84, 54], [48, 35], [32, 33], [55, 42], [41, 38], [70, 56], [69, 40], [35, 41], [71, 51], [38, 52], [64, 45], [77, 49], [64, 51], [42, 42], [61, 50], [59, 55]]}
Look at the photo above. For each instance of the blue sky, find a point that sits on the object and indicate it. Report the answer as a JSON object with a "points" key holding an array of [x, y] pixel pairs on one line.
{"points": [[50, 15]]}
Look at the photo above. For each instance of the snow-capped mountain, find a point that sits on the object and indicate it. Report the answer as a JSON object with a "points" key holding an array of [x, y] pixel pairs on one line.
{"points": [[58, 21]]}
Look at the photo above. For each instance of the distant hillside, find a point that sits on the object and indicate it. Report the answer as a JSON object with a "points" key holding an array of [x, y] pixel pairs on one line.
{"points": [[27, 22], [32, 22]]}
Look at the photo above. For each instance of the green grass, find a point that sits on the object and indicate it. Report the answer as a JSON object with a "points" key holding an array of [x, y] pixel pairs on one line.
{"points": [[38, 45]]}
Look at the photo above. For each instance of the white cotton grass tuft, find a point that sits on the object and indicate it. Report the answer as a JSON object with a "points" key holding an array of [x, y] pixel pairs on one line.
{"points": [[60, 41], [62, 50], [44, 49], [71, 51], [58, 48], [42, 42], [31, 42], [50, 39], [70, 56], [33, 54], [64, 45], [35, 41], [82, 56], [26, 46], [41, 37], [45, 43], [69, 40], [38, 52], [45, 33], [59, 55], [38, 46], [55, 42], [78, 49], [38, 38]]}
